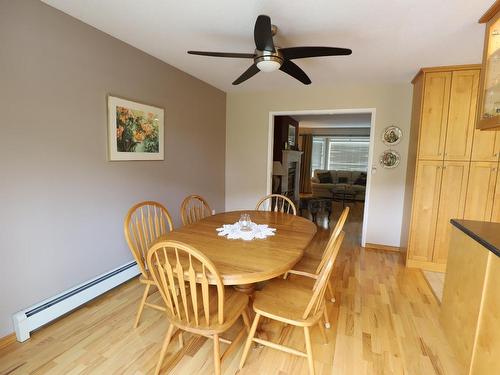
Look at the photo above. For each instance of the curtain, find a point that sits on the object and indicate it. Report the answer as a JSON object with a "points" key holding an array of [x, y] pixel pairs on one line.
{"points": [[305, 165]]}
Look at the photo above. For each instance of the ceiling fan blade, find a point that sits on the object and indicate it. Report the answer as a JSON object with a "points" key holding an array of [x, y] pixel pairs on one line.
{"points": [[263, 34], [292, 69], [302, 52], [250, 72], [223, 54]]}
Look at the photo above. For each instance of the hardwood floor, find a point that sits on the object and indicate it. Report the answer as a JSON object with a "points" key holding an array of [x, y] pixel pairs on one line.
{"points": [[385, 321]]}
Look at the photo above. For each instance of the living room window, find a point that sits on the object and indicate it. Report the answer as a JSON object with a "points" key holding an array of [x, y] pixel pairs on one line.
{"points": [[340, 153]]}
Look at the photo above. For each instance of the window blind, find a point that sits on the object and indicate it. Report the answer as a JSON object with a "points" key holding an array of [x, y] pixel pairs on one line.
{"points": [[340, 153]]}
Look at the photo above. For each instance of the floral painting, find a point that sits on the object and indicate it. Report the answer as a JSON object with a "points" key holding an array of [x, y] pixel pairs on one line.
{"points": [[135, 130]]}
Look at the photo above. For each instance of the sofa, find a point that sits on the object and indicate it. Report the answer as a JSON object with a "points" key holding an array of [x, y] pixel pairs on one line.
{"points": [[353, 181]]}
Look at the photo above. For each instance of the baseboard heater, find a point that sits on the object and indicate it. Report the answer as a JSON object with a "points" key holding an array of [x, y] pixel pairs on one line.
{"points": [[26, 321]]}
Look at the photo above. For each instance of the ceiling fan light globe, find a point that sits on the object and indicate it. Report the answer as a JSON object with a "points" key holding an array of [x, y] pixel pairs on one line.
{"points": [[268, 66]]}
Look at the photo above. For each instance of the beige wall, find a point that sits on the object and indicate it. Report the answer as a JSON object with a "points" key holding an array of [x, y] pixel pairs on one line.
{"points": [[62, 203], [247, 145]]}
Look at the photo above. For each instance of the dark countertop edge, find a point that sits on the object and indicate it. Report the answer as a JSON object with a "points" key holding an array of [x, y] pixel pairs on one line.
{"points": [[475, 236]]}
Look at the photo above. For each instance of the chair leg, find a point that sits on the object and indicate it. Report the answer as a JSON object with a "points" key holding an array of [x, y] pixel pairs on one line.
{"points": [[216, 354], [310, 359], [181, 340], [325, 314], [164, 348], [330, 291], [322, 330], [246, 320], [141, 306], [249, 340]]}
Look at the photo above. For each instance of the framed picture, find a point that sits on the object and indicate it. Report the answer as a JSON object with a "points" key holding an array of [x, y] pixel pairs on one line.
{"points": [[135, 130]]}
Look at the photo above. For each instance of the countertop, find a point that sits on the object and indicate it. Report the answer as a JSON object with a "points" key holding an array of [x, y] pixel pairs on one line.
{"points": [[486, 233]]}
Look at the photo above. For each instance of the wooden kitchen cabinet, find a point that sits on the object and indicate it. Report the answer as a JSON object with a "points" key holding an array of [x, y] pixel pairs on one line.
{"points": [[461, 115], [434, 116], [451, 171], [480, 191], [451, 205], [489, 103], [486, 146], [495, 214], [425, 213]]}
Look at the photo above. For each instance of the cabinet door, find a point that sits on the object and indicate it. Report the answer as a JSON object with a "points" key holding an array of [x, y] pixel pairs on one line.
{"points": [[451, 205], [486, 146], [461, 115], [434, 116], [495, 215], [425, 209], [480, 191]]}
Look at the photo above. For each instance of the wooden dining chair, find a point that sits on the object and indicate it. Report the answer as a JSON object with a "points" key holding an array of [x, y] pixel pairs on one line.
{"points": [[183, 275], [144, 223], [292, 303], [194, 208], [276, 203], [310, 266]]}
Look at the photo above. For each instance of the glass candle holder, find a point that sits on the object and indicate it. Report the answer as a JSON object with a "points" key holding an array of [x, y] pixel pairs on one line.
{"points": [[245, 222]]}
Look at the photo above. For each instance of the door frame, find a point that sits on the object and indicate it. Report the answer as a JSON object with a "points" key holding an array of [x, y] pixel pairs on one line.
{"points": [[371, 167]]}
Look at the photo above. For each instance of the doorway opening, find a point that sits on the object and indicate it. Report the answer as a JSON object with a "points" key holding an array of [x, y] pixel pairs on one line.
{"points": [[322, 159]]}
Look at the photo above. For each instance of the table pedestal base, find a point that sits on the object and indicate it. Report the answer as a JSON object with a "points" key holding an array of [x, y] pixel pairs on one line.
{"points": [[248, 289]]}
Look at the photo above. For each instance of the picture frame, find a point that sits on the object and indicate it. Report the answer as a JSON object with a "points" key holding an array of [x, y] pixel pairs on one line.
{"points": [[392, 135], [135, 130], [389, 159]]}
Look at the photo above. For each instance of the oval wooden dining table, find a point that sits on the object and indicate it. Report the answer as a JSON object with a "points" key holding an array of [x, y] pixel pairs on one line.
{"points": [[242, 263]]}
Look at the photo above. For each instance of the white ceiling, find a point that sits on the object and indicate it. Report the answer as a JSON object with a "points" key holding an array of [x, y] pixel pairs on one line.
{"points": [[343, 120], [390, 39]]}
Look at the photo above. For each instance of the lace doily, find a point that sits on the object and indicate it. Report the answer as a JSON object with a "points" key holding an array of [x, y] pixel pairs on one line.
{"points": [[234, 232]]}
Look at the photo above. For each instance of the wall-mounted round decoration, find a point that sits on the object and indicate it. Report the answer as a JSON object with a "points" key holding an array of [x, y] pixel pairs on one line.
{"points": [[389, 159], [392, 135]]}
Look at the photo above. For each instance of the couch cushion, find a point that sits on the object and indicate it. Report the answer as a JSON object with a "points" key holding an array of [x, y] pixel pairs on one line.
{"points": [[344, 175], [360, 179], [325, 178], [358, 188]]}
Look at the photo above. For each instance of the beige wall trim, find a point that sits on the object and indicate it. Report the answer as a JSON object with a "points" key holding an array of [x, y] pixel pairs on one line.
{"points": [[382, 247], [7, 340]]}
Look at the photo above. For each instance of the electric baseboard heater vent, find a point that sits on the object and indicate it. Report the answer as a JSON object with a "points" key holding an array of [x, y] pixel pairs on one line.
{"points": [[27, 320]]}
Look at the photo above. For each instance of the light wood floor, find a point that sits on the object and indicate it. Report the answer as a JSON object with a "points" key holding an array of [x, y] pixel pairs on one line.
{"points": [[385, 321]]}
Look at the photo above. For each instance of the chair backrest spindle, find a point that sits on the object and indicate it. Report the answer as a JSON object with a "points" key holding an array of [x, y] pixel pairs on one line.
{"points": [[145, 223], [276, 203], [335, 233], [194, 208], [176, 266], [319, 288]]}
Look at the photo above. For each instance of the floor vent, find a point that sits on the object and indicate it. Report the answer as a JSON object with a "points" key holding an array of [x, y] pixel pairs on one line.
{"points": [[34, 317]]}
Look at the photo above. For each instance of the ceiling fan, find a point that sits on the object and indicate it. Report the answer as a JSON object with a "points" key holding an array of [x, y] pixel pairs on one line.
{"points": [[269, 58]]}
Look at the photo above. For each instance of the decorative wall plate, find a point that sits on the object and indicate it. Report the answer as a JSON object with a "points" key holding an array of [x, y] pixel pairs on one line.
{"points": [[392, 135], [389, 159]]}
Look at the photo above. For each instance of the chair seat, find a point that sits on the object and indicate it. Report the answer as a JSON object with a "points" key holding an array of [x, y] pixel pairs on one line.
{"points": [[234, 304], [146, 280], [308, 263], [287, 300]]}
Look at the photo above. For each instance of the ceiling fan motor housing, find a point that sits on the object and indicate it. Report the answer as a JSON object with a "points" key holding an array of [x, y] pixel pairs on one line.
{"points": [[268, 61]]}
